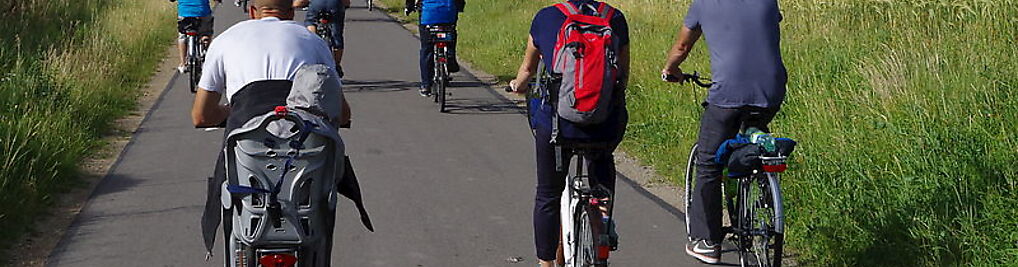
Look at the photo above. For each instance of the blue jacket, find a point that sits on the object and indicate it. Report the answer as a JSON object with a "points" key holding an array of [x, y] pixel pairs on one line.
{"points": [[439, 11]]}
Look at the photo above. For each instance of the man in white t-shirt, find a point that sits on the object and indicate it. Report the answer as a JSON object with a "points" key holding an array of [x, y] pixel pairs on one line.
{"points": [[269, 47], [254, 64]]}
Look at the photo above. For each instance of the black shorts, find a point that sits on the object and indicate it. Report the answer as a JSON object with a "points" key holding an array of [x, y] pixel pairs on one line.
{"points": [[202, 24]]}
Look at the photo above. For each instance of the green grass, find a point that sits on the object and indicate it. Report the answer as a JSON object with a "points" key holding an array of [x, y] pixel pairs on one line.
{"points": [[68, 68], [906, 112]]}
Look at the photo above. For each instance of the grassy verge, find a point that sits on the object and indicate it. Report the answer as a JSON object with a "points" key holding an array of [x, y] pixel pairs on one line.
{"points": [[905, 110], [68, 68]]}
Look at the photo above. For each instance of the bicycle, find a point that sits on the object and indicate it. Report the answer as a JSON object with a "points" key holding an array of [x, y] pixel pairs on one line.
{"points": [[586, 205], [441, 37], [323, 28], [586, 239], [197, 46], [755, 211]]}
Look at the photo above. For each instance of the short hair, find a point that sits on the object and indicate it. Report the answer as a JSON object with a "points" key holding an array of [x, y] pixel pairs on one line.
{"points": [[274, 4]]}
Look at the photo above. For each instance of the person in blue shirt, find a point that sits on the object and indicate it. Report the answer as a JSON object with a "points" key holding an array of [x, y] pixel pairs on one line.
{"points": [[544, 32], [336, 8], [745, 55], [201, 12], [434, 12]]}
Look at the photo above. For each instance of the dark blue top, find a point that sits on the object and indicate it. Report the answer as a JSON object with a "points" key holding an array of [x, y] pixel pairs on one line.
{"points": [[548, 22], [744, 40]]}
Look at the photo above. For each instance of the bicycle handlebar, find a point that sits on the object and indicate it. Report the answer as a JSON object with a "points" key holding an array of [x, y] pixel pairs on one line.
{"points": [[687, 77]]}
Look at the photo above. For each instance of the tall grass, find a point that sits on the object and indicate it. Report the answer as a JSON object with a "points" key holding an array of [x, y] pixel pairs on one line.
{"points": [[906, 112], [68, 68]]}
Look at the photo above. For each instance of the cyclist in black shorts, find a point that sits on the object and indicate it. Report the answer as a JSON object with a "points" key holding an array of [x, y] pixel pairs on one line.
{"points": [[200, 11]]}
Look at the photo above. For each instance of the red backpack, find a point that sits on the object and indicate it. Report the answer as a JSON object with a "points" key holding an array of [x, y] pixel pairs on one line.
{"points": [[585, 56]]}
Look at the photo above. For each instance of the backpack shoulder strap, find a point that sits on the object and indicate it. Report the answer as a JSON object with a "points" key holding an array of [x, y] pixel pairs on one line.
{"points": [[606, 11], [567, 8]]}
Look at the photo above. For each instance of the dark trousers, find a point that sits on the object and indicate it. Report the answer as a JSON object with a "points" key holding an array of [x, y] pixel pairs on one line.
{"points": [[550, 184], [427, 56], [717, 125]]}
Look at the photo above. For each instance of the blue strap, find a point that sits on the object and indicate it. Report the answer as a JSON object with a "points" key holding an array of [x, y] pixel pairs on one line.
{"points": [[240, 190], [725, 150]]}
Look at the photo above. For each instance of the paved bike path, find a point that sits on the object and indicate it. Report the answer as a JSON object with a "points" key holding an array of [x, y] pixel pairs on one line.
{"points": [[453, 189]]}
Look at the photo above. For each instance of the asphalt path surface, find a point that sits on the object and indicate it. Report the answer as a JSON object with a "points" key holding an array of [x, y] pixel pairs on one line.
{"points": [[443, 189]]}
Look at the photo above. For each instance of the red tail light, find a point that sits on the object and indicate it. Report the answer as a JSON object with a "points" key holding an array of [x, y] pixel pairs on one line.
{"points": [[191, 33], [440, 45], [443, 60], [280, 111], [323, 21], [775, 168], [278, 260]]}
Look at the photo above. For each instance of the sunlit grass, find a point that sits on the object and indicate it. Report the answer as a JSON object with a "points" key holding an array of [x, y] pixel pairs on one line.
{"points": [[906, 112], [67, 70]]}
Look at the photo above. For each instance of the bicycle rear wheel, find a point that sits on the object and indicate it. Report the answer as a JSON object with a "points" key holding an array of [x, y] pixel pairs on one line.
{"points": [[440, 89], [763, 215], [588, 229], [371, 5], [194, 62]]}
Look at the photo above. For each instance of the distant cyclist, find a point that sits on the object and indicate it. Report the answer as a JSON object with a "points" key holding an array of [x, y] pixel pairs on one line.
{"points": [[744, 42], [434, 12], [199, 10], [337, 8], [541, 45]]}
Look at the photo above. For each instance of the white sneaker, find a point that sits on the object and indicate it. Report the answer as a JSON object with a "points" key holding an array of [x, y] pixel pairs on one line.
{"points": [[704, 251], [236, 3], [182, 68]]}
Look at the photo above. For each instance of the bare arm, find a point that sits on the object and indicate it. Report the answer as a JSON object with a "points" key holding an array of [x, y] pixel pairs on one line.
{"points": [[531, 59], [206, 110], [683, 44]]}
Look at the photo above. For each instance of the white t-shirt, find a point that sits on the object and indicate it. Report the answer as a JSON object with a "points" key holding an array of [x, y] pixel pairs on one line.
{"points": [[258, 50]]}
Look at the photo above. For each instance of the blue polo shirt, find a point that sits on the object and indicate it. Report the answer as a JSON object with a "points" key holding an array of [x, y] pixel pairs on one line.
{"points": [[193, 8], [744, 40]]}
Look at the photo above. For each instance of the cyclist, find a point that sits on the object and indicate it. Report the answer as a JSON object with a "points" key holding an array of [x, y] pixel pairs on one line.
{"points": [[199, 10], [338, 10], [434, 12], [749, 76], [544, 30], [253, 63]]}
